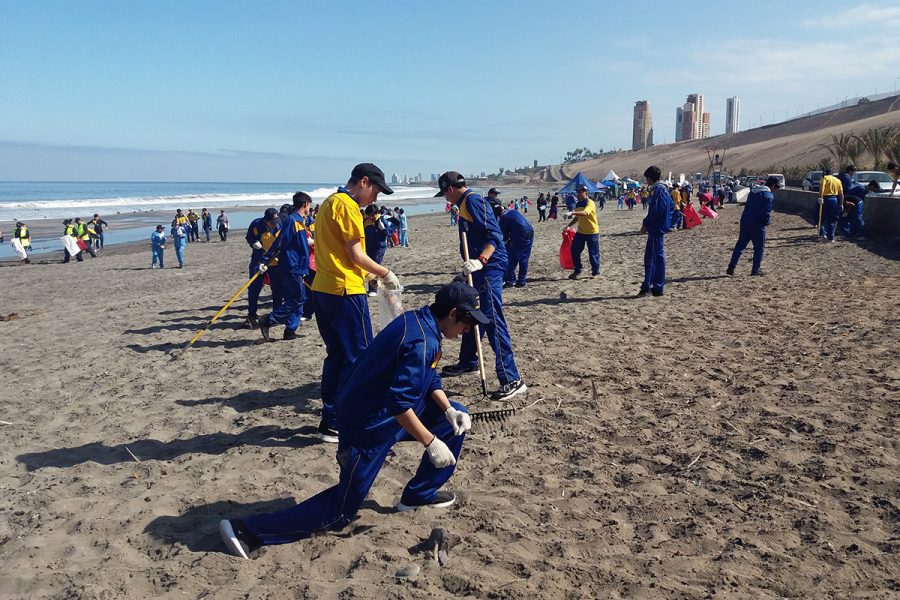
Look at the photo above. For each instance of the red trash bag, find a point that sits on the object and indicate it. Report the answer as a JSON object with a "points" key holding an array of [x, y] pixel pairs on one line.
{"points": [[395, 237], [691, 218], [266, 279], [706, 211], [565, 250], [82, 245]]}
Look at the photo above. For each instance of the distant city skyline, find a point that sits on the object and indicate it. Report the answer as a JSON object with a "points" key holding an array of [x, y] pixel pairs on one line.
{"points": [[263, 93], [733, 115]]}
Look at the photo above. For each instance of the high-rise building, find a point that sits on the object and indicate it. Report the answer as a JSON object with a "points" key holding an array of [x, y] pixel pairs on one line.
{"points": [[733, 115], [395, 178], [704, 126], [641, 128], [691, 122]]}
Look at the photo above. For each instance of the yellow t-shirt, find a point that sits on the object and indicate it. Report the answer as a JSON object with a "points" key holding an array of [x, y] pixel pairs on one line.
{"points": [[676, 198], [339, 221], [830, 186], [588, 223]]}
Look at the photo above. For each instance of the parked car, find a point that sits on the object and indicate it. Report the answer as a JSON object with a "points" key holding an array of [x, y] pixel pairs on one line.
{"points": [[811, 181], [778, 176], [885, 181]]}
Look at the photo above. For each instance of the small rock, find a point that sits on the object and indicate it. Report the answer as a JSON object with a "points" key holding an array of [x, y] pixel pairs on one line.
{"points": [[408, 572], [563, 295]]}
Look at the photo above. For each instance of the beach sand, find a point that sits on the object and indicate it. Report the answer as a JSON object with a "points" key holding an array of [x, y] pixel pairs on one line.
{"points": [[736, 438]]}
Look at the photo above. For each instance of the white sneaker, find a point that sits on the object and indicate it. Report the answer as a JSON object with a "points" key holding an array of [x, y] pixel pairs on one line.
{"points": [[441, 500], [508, 390]]}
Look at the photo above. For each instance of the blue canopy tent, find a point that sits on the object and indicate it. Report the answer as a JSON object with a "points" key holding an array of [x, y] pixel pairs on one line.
{"points": [[579, 179]]}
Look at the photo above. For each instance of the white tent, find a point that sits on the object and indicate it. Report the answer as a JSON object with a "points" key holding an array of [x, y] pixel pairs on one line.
{"points": [[611, 176]]}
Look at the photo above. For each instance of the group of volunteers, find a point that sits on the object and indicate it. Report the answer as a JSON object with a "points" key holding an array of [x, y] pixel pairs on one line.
{"points": [[87, 237], [185, 229], [841, 202]]}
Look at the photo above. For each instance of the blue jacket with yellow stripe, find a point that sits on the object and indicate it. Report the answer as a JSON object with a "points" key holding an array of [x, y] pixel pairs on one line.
{"points": [[291, 246], [394, 374], [476, 218]]}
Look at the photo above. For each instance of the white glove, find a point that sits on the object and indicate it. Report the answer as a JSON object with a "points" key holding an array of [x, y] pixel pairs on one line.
{"points": [[257, 246], [460, 421], [471, 265], [439, 454], [263, 267], [380, 224], [390, 281]]}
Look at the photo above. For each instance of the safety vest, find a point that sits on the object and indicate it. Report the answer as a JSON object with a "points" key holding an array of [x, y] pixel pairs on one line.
{"points": [[70, 230], [22, 234], [81, 232]]}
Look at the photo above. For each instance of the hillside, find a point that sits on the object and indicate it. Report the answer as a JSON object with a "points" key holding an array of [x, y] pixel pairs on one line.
{"points": [[793, 143]]}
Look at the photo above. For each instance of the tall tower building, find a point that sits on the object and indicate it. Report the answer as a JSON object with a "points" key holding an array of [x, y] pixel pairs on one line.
{"points": [[733, 115], [701, 117], [686, 122], [642, 126]]}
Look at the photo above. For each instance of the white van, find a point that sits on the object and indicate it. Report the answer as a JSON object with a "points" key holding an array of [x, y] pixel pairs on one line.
{"points": [[778, 176]]}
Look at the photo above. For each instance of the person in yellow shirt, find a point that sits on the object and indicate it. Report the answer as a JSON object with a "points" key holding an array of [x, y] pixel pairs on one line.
{"points": [[587, 233], [677, 217], [831, 199], [338, 290]]}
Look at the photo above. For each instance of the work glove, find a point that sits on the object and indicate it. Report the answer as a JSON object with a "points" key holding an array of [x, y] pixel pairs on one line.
{"points": [[439, 454], [471, 265], [263, 267], [460, 421], [390, 281], [380, 224], [257, 246]]}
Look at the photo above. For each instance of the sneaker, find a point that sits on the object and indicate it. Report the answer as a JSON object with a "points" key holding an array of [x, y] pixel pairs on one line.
{"points": [[656, 293], [757, 273], [441, 500], [264, 328], [457, 369], [252, 321], [328, 434], [372, 294], [574, 275], [520, 285], [507, 284], [289, 335], [235, 539], [642, 292], [730, 271], [508, 390]]}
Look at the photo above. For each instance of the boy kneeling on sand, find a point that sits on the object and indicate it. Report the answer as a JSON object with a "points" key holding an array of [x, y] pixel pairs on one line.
{"points": [[382, 401]]}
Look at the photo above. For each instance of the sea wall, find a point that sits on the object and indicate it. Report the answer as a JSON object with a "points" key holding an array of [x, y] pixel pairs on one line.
{"points": [[881, 213]]}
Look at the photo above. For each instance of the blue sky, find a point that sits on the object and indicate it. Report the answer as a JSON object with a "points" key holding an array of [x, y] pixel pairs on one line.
{"points": [[301, 91]]}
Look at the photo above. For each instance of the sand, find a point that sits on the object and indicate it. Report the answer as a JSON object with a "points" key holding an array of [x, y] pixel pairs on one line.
{"points": [[736, 438]]}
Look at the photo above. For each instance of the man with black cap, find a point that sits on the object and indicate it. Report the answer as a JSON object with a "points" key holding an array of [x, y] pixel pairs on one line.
{"points": [[494, 195], [588, 232], [756, 216], [339, 290], [392, 394], [260, 236], [487, 264], [292, 249]]}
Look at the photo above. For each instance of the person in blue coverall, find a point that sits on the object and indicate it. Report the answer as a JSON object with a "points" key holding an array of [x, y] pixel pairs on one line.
{"points": [[392, 394], [852, 225], [756, 216], [656, 225], [487, 265], [260, 237], [518, 235], [292, 250], [376, 230], [158, 247]]}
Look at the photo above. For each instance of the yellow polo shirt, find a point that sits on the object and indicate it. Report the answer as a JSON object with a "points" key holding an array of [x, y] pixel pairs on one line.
{"points": [[339, 221], [588, 223], [830, 186]]}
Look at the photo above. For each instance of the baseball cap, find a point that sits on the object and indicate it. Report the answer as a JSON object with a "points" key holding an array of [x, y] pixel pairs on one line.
{"points": [[374, 174], [159, 227], [463, 298], [770, 181], [450, 178], [493, 191], [271, 214], [580, 187]]}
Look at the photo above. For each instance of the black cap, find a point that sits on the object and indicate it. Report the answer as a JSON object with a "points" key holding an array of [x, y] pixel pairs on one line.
{"points": [[159, 227], [580, 187], [770, 181], [374, 174], [271, 214], [450, 178], [493, 191], [463, 298]]}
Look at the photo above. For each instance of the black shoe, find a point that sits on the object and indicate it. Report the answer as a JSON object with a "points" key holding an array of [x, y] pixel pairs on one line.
{"points": [[757, 273], [327, 434], [252, 321], [642, 292], [264, 328], [238, 541], [457, 369], [507, 284], [730, 271], [595, 275], [441, 500], [520, 285], [656, 292], [574, 275], [289, 335], [508, 390]]}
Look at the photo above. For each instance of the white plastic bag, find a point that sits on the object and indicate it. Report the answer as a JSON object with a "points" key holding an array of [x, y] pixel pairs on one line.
{"points": [[390, 305], [20, 250]]}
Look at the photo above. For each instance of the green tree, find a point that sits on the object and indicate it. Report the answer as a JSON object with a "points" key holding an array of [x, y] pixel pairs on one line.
{"points": [[855, 150], [877, 141]]}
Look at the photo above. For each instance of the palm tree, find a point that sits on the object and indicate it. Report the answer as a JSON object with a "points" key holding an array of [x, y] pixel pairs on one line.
{"points": [[855, 151], [826, 163], [877, 142], [838, 148]]}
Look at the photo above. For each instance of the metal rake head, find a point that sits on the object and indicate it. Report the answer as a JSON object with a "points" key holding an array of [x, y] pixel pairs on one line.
{"points": [[499, 415]]}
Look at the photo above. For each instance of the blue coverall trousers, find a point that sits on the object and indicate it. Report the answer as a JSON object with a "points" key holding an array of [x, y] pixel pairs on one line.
{"points": [[519, 251], [346, 329], [289, 310], [256, 287], [592, 241], [831, 211], [337, 506], [179, 244], [654, 264], [757, 235], [157, 255], [489, 283]]}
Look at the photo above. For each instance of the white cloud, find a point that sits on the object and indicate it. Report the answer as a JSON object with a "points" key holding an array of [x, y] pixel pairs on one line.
{"points": [[863, 15]]}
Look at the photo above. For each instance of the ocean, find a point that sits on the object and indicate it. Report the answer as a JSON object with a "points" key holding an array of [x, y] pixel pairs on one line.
{"points": [[34, 202]]}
